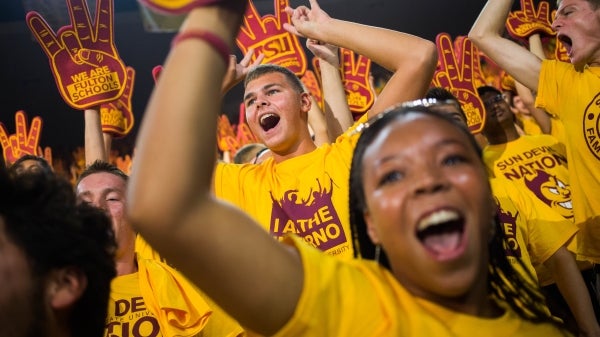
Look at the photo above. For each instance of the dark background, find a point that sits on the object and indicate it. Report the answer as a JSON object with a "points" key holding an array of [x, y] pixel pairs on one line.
{"points": [[28, 83]]}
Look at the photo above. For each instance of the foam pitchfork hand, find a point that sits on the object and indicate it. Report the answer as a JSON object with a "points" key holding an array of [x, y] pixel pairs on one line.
{"points": [[457, 76], [267, 36], [528, 21], [23, 141], [117, 117], [356, 71], [83, 58]]}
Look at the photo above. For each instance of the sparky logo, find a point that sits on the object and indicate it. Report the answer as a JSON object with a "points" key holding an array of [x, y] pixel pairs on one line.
{"points": [[552, 191]]}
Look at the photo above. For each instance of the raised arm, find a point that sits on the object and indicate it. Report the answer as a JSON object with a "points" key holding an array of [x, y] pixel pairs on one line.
{"points": [[411, 58], [318, 124], [572, 288], [94, 145], [526, 94], [540, 115], [236, 72], [216, 246], [336, 109], [486, 34]]}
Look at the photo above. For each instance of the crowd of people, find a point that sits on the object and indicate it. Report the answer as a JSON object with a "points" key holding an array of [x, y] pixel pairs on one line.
{"points": [[400, 223]]}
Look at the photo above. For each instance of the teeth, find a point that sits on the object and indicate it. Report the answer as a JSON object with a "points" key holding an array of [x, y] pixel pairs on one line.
{"points": [[264, 117], [437, 218], [566, 204]]}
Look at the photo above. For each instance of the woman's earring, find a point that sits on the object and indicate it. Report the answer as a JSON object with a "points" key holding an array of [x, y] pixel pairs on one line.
{"points": [[377, 252]]}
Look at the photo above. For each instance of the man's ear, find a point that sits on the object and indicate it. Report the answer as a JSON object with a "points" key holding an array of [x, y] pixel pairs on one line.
{"points": [[65, 286], [306, 101], [371, 229]]}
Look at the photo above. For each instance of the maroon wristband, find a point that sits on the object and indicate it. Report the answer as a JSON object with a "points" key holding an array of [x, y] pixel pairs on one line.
{"points": [[233, 5], [211, 38]]}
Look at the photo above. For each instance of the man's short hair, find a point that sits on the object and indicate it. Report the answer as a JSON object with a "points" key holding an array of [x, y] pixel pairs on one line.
{"points": [[594, 3], [100, 166], [484, 89], [44, 165], [267, 68]]}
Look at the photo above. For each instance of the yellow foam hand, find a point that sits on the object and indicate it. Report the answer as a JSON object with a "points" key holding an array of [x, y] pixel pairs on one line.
{"points": [[124, 163], [46, 153], [24, 141]]}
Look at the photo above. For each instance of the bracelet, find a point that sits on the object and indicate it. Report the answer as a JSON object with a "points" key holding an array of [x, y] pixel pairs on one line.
{"points": [[184, 6], [211, 38]]}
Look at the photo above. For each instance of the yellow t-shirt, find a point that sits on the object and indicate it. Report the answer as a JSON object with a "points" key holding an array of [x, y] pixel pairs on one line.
{"points": [[530, 125], [360, 298], [180, 307], [128, 314], [306, 195], [533, 231], [557, 130], [574, 97], [535, 164]]}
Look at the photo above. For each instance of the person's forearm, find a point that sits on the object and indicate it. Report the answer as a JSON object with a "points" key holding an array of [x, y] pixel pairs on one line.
{"points": [[400, 48], [536, 46], [491, 20], [486, 34], [411, 58], [572, 287], [183, 109], [316, 121], [540, 115], [336, 109], [93, 138]]}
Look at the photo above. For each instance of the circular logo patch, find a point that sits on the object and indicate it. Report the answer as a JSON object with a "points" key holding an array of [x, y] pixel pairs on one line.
{"points": [[591, 126]]}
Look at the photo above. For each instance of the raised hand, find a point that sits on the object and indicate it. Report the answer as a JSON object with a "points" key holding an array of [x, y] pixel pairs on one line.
{"points": [[236, 72], [23, 141], [355, 75], [83, 58], [457, 75], [267, 36], [528, 21], [325, 51], [117, 117], [305, 21]]}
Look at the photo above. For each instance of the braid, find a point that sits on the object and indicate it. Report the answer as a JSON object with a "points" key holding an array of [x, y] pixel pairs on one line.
{"points": [[520, 292]]}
